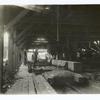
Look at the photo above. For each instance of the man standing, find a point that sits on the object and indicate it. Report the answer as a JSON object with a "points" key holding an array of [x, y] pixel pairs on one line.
{"points": [[35, 57]]}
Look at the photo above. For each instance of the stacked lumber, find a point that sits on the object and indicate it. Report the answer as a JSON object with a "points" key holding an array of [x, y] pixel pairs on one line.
{"points": [[75, 66], [59, 63], [69, 65]]}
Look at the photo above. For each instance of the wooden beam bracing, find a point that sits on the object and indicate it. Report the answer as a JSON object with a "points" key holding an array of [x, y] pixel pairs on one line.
{"points": [[16, 19], [22, 33]]}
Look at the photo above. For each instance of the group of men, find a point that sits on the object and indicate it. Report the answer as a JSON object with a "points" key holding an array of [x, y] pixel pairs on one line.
{"points": [[33, 61]]}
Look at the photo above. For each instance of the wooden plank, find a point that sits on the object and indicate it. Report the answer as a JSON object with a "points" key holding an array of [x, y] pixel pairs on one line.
{"points": [[31, 86], [22, 86], [16, 88], [42, 86], [25, 86]]}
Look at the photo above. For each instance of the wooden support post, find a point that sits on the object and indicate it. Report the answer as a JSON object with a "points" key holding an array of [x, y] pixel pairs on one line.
{"points": [[1, 47], [22, 56], [1, 58], [75, 46], [10, 54], [19, 59], [17, 56], [14, 57], [68, 48], [25, 57], [15, 63]]}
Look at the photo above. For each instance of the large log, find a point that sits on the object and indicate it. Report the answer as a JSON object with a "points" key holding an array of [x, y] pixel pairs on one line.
{"points": [[60, 77]]}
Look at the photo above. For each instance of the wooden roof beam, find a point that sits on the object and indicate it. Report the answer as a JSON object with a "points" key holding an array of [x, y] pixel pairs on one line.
{"points": [[22, 33], [22, 44], [25, 38], [16, 19]]}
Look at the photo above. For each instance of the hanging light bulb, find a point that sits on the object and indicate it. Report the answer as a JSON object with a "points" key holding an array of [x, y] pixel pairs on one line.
{"points": [[98, 42], [95, 42]]}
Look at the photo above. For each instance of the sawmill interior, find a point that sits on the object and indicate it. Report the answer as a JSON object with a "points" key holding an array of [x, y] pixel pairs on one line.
{"points": [[50, 49]]}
